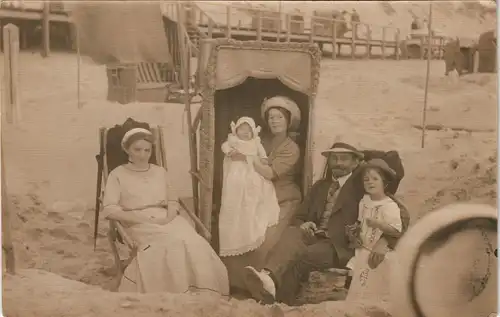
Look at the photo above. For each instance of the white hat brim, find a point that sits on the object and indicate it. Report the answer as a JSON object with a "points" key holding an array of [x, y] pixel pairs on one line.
{"points": [[341, 150]]}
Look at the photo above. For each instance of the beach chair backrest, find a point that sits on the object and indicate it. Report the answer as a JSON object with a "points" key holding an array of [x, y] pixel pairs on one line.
{"points": [[116, 156], [150, 73]]}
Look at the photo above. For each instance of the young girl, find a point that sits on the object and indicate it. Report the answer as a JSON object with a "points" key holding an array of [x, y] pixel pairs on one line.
{"points": [[378, 214], [249, 205]]}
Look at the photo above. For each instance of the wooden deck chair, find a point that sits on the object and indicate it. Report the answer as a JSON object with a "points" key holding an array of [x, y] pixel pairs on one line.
{"points": [[106, 163], [152, 84]]}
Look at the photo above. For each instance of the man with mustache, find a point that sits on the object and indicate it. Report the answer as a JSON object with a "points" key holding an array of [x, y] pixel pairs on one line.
{"points": [[317, 240]]}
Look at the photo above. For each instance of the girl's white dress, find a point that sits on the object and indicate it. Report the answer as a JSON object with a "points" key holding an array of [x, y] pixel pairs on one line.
{"points": [[249, 204], [370, 283]]}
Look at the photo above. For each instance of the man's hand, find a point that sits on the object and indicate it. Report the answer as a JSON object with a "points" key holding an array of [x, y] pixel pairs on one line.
{"points": [[308, 228], [264, 161]]}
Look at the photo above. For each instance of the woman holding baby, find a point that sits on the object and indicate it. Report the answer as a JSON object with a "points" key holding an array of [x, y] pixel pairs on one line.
{"points": [[277, 166]]}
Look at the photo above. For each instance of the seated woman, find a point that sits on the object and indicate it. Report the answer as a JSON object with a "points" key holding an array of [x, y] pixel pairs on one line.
{"points": [[171, 257], [282, 115]]}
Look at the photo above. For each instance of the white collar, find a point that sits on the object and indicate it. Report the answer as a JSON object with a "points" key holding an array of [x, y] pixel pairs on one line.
{"points": [[343, 179]]}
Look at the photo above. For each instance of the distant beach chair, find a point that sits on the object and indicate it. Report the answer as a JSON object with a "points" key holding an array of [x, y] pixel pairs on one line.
{"points": [[110, 156]]}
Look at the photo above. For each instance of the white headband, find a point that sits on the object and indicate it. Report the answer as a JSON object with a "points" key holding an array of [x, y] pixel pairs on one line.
{"points": [[131, 132]]}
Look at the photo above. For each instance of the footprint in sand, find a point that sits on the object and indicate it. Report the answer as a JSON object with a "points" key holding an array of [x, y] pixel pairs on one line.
{"points": [[62, 234]]}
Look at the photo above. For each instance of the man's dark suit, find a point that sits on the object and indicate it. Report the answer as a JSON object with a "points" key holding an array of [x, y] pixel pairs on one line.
{"points": [[296, 255]]}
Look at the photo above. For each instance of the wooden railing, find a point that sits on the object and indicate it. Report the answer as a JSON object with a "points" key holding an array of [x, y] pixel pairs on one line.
{"points": [[231, 20]]}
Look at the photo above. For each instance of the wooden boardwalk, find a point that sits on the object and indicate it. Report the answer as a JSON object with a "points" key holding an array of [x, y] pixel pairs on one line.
{"points": [[211, 20], [242, 22]]}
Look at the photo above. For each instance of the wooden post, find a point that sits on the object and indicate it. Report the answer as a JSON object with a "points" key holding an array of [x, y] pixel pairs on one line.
{"points": [[11, 74], [10, 38], [7, 246], [398, 43], [383, 41], [353, 39], [334, 39], [422, 47], [185, 71], [279, 23], [228, 21], [78, 66], [368, 42], [46, 29], [424, 112], [259, 25], [210, 28], [311, 34], [288, 27]]}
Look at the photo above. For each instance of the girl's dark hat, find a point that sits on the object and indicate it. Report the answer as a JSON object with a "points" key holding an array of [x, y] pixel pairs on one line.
{"points": [[340, 147], [380, 164]]}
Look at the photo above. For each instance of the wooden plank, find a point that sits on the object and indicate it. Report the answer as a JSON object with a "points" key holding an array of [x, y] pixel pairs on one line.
{"points": [[30, 15], [11, 74]]}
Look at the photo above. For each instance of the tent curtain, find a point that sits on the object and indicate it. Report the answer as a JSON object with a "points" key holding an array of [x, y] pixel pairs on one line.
{"points": [[236, 66], [121, 32]]}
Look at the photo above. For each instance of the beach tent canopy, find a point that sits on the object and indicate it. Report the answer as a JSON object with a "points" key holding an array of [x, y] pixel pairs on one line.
{"points": [[121, 31]]}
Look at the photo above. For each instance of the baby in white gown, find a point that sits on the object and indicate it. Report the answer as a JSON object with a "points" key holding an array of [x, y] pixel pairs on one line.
{"points": [[249, 204]]}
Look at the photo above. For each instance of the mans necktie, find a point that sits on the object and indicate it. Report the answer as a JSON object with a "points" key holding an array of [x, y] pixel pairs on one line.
{"points": [[330, 203]]}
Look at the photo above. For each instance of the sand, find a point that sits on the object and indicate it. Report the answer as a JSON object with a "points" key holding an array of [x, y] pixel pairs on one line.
{"points": [[51, 173]]}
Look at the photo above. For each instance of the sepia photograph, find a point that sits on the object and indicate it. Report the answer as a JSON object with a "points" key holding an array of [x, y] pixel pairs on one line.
{"points": [[249, 158]]}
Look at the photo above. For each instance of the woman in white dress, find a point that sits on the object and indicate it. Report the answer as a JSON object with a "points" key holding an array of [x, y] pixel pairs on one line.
{"points": [[171, 257]]}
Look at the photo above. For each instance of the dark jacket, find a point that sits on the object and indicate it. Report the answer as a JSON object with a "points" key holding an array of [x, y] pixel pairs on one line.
{"points": [[345, 212]]}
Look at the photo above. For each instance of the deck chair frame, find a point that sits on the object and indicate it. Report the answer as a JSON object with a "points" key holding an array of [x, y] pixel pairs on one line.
{"points": [[117, 232]]}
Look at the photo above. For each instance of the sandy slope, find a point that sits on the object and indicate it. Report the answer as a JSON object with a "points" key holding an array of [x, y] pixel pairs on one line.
{"points": [[372, 104]]}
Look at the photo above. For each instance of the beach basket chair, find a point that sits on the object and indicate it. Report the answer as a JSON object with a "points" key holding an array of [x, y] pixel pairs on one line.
{"points": [[111, 156], [232, 89]]}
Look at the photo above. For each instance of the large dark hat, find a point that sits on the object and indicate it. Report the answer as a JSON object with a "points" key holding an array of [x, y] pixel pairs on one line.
{"points": [[340, 147], [379, 164]]}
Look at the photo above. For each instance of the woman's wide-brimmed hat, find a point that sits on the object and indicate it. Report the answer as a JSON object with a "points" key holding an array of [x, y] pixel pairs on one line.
{"points": [[131, 132], [340, 147], [381, 165], [285, 103]]}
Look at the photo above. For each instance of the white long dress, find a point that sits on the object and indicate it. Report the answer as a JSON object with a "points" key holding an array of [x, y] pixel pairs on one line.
{"points": [[171, 258], [370, 283], [249, 204]]}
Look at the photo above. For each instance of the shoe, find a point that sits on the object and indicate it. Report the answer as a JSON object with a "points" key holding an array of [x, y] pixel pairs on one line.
{"points": [[260, 285]]}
